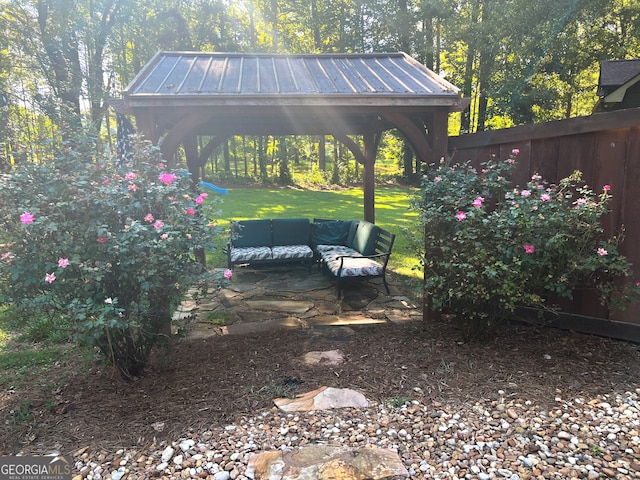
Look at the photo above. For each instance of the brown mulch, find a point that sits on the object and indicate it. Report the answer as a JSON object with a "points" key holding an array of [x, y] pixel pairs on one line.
{"points": [[208, 383]]}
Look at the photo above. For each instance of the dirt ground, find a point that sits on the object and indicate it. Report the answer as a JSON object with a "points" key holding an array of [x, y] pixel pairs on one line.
{"points": [[210, 382]]}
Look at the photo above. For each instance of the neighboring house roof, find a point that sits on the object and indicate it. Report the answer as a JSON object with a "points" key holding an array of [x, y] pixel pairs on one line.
{"points": [[617, 77], [242, 78]]}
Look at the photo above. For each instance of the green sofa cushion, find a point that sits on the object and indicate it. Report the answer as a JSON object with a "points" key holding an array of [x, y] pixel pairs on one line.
{"points": [[364, 240], [331, 232], [251, 233], [352, 232], [291, 231]]}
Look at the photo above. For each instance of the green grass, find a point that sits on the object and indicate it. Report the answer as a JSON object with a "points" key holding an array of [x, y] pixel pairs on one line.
{"points": [[391, 211], [25, 347]]}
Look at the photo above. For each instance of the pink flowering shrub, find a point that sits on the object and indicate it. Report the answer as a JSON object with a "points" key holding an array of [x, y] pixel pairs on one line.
{"points": [[490, 248], [111, 249]]}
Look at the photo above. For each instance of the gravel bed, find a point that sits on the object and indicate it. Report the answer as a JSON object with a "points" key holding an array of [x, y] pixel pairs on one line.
{"points": [[497, 438]]}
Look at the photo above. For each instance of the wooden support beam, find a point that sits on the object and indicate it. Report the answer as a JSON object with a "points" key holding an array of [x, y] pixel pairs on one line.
{"points": [[367, 159], [173, 138], [415, 133]]}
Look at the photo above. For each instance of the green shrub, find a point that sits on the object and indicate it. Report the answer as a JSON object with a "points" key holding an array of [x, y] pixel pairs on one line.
{"points": [[491, 248], [110, 248]]}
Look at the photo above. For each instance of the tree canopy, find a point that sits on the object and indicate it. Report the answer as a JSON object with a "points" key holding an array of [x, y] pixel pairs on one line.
{"points": [[61, 61]]}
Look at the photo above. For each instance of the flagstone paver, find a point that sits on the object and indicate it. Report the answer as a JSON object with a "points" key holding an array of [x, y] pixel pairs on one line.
{"points": [[257, 300]]}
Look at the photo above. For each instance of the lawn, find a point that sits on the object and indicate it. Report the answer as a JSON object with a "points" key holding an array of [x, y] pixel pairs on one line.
{"points": [[391, 209]]}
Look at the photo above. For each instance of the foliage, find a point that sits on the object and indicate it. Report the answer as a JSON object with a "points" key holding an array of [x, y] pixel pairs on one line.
{"points": [[492, 248], [534, 61], [111, 249]]}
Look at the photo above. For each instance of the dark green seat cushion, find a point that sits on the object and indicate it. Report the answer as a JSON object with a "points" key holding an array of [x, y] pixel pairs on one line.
{"points": [[365, 237], [251, 233], [330, 232], [291, 231]]}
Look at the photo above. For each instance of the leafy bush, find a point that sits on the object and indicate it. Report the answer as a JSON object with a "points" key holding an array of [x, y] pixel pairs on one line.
{"points": [[111, 248], [491, 248]]}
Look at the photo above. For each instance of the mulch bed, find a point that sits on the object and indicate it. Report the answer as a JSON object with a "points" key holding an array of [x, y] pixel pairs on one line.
{"points": [[210, 382]]}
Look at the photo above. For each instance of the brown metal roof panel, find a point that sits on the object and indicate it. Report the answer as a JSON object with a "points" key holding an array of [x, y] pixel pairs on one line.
{"points": [[385, 70], [367, 71], [212, 80], [176, 75], [286, 80], [268, 81], [195, 75], [339, 82], [153, 81], [302, 75], [322, 80], [419, 79], [249, 77], [232, 76]]}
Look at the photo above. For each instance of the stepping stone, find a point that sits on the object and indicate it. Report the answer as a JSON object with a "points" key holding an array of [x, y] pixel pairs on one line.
{"points": [[344, 319], [323, 398], [229, 298], [324, 462], [300, 284], [241, 287], [330, 357], [253, 316], [281, 305], [257, 327]]}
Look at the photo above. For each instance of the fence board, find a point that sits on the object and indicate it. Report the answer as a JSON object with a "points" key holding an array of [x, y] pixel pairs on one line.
{"points": [[605, 147]]}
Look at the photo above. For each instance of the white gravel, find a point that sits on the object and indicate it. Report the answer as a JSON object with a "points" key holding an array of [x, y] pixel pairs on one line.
{"points": [[494, 438]]}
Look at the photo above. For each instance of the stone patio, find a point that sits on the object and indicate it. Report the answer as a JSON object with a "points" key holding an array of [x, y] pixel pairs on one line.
{"points": [[291, 296]]}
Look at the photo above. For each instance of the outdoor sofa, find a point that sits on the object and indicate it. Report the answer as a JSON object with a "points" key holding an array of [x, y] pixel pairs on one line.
{"points": [[347, 249]]}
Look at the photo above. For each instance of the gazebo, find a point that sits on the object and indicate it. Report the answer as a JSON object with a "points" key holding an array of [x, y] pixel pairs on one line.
{"points": [[178, 96]]}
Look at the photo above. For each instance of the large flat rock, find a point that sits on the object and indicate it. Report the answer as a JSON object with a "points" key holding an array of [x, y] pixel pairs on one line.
{"points": [[323, 462], [323, 398]]}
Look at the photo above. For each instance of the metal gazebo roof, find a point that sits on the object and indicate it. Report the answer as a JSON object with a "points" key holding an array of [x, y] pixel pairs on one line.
{"points": [[240, 78], [178, 96]]}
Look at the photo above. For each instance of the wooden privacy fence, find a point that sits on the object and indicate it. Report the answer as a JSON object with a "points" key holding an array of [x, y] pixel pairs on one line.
{"points": [[605, 147]]}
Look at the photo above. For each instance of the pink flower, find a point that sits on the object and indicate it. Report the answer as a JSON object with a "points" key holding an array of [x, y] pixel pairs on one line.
{"points": [[148, 218], [26, 218], [164, 236], [516, 151], [105, 181], [167, 178], [602, 252], [199, 200], [606, 188], [190, 211], [50, 277], [228, 274], [158, 225], [545, 197], [478, 202], [525, 193], [437, 179], [511, 160], [581, 201], [460, 216], [63, 262], [101, 239], [133, 187], [529, 248], [7, 256], [130, 176]]}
